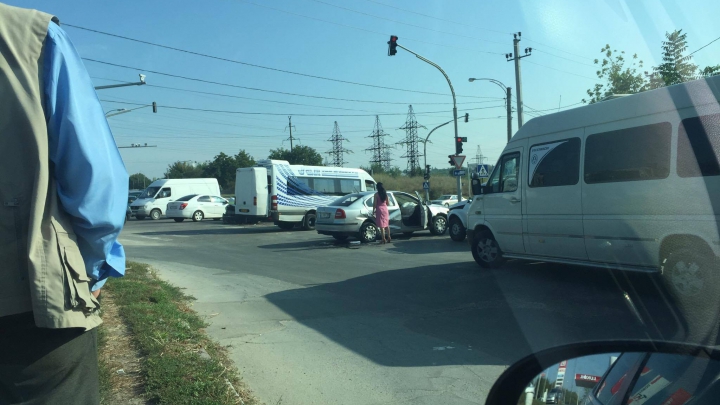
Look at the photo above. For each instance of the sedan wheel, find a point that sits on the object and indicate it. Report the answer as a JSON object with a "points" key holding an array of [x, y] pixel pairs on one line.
{"points": [[198, 216], [439, 225], [368, 232]]}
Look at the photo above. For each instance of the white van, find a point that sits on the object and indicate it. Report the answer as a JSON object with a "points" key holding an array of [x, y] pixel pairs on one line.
{"points": [[290, 194], [153, 201], [631, 183]]}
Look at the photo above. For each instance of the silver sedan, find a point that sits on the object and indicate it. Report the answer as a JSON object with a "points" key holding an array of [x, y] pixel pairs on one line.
{"points": [[351, 215]]}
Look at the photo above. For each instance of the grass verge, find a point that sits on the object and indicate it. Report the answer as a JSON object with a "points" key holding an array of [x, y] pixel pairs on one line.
{"points": [[180, 363]]}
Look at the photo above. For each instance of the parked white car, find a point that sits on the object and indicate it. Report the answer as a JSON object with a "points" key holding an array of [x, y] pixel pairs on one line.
{"points": [[196, 207], [351, 215], [457, 220], [445, 200]]}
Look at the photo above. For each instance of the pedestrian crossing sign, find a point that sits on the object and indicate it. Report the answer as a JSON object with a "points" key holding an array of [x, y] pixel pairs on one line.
{"points": [[482, 171]]}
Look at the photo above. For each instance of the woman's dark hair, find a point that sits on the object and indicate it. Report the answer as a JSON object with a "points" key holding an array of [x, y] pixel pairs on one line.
{"points": [[381, 192]]}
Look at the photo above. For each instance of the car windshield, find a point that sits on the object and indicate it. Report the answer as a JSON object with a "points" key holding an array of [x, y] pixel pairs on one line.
{"points": [[347, 200], [149, 192], [586, 133]]}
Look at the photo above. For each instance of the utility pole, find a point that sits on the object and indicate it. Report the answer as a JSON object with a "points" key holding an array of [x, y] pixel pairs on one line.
{"points": [[515, 56], [337, 147], [290, 125], [392, 50]]}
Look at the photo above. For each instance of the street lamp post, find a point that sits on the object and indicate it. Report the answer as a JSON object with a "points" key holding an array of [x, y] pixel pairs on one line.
{"points": [[393, 43], [427, 192], [508, 94]]}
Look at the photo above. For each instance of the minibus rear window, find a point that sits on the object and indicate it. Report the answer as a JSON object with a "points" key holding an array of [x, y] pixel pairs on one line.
{"points": [[699, 146]]}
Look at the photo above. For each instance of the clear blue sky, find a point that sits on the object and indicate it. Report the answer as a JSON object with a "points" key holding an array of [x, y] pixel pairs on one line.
{"points": [[467, 38]]}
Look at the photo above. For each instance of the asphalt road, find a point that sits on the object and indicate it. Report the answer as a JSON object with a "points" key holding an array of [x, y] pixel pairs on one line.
{"points": [[312, 321]]}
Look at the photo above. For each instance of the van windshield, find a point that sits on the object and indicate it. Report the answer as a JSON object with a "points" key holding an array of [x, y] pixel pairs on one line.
{"points": [[149, 192]]}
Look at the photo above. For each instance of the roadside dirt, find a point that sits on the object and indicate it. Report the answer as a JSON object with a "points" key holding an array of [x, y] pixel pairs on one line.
{"points": [[120, 358]]}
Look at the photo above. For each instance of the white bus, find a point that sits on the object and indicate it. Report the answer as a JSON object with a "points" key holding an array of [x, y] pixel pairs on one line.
{"points": [[290, 194]]}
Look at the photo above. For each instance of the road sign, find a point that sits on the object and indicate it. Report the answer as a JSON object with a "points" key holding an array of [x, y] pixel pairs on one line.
{"points": [[426, 185], [458, 160], [458, 173], [483, 170]]}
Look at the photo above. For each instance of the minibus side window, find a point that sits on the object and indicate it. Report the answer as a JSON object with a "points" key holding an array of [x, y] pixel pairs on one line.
{"points": [[555, 163], [699, 146]]}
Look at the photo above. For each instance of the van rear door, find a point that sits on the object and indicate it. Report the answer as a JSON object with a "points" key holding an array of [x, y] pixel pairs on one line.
{"points": [[251, 191]]}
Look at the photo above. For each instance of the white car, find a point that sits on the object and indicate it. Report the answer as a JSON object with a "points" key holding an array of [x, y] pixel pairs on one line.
{"points": [[196, 207], [352, 216], [445, 200], [457, 220]]}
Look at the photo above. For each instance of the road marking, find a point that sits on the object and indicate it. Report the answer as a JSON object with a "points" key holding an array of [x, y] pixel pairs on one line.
{"points": [[154, 238]]}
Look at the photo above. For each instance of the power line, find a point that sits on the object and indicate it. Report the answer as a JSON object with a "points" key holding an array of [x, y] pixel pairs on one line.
{"points": [[402, 23], [300, 115], [247, 63], [703, 46], [563, 71], [438, 18], [364, 29], [287, 102], [552, 109], [244, 87], [562, 57], [558, 49]]}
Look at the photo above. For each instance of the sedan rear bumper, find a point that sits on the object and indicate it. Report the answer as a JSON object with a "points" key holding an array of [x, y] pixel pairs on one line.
{"points": [[175, 213]]}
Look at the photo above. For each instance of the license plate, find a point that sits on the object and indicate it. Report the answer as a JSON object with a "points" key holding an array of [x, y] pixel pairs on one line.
{"points": [[244, 210], [324, 215]]}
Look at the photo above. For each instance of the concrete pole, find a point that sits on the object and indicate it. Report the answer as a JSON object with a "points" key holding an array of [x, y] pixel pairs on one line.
{"points": [[518, 80]]}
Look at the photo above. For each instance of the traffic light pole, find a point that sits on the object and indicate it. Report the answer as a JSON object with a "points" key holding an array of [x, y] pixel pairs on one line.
{"points": [[452, 90]]}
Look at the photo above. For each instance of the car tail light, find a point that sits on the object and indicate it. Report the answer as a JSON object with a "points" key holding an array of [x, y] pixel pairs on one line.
{"points": [[183, 205], [340, 214], [255, 201], [273, 203]]}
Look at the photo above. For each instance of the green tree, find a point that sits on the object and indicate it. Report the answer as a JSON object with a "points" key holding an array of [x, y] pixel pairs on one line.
{"points": [[243, 159], [300, 155], [139, 181], [676, 66], [710, 71], [621, 76], [184, 170], [223, 168]]}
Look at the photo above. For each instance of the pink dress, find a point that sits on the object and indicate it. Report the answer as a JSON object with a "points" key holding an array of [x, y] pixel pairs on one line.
{"points": [[382, 218]]}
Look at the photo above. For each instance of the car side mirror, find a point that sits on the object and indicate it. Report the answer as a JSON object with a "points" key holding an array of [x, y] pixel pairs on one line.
{"points": [[633, 369], [477, 187]]}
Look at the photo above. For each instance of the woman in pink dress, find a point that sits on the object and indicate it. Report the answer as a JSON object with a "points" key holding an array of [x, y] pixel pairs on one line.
{"points": [[380, 212]]}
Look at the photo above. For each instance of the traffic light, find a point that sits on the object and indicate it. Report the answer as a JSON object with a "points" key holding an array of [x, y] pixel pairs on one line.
{"points": [[450, 160], [392, 45], [154, 107], [467, 117], [459, 144]]}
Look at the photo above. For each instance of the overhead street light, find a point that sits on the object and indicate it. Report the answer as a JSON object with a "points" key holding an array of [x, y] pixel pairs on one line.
{"points": [[112, 86], [508, 96]]}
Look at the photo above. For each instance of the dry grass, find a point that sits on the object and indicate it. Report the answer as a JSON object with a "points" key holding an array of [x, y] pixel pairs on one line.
{"points": [[439, 185]]}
